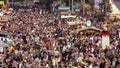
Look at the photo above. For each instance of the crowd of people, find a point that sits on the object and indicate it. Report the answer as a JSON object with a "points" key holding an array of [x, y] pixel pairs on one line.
{"points": [[42, 40]]}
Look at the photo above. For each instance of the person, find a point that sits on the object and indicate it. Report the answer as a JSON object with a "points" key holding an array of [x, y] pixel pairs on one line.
{"points": [[44, 40], [103, 63]]}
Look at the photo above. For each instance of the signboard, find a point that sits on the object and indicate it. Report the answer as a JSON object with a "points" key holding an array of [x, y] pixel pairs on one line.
{"points": [[88, 23], [68, 16], [63, 8], [77, 10]]}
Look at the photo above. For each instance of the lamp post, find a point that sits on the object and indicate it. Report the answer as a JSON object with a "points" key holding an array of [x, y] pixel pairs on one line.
{"points": [[69, 3], [119, 33], [12, 3], [72, 6], [82, 3], [104, 8]]}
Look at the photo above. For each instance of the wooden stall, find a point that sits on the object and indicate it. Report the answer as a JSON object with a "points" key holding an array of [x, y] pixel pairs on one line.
{"points": [[88, 31]]}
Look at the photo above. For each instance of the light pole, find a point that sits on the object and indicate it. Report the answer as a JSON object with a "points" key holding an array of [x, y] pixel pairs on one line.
{"points": [[83, 2], [104, 8], [69, 3], [72, 6]]}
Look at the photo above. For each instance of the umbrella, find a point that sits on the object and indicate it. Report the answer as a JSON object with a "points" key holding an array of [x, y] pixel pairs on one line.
{"points": [[2, 44]]}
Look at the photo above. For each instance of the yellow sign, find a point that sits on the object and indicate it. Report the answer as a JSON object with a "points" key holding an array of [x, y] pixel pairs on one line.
{"points": [[1, 2]]}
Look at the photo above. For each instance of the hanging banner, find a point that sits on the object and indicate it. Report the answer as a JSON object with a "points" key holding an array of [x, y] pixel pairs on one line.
{"points": [[105, 39], [63, 8]]}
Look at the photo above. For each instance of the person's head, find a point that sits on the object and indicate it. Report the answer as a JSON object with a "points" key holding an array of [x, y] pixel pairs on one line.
{"points": [[45, 54]]}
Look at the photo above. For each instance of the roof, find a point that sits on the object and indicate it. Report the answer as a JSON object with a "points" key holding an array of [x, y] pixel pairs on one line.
{"points": [[87, 28]]}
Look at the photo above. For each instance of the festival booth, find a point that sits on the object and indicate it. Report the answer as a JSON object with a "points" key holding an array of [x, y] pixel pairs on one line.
{"points": [[84, 28], [69, 19], [87, 31]]}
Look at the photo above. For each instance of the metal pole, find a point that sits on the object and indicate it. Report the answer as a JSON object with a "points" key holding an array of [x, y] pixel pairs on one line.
{"points": [[104, 6], [83, 7], [13, 4], [81, 2], [69, 3], [72, 5]]}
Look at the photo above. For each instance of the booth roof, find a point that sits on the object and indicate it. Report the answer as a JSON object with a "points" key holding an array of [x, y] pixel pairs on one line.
{"points": [[87, 28]]}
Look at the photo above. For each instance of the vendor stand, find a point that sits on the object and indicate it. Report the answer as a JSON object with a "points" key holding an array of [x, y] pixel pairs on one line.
{"points": [[88, 31]]}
